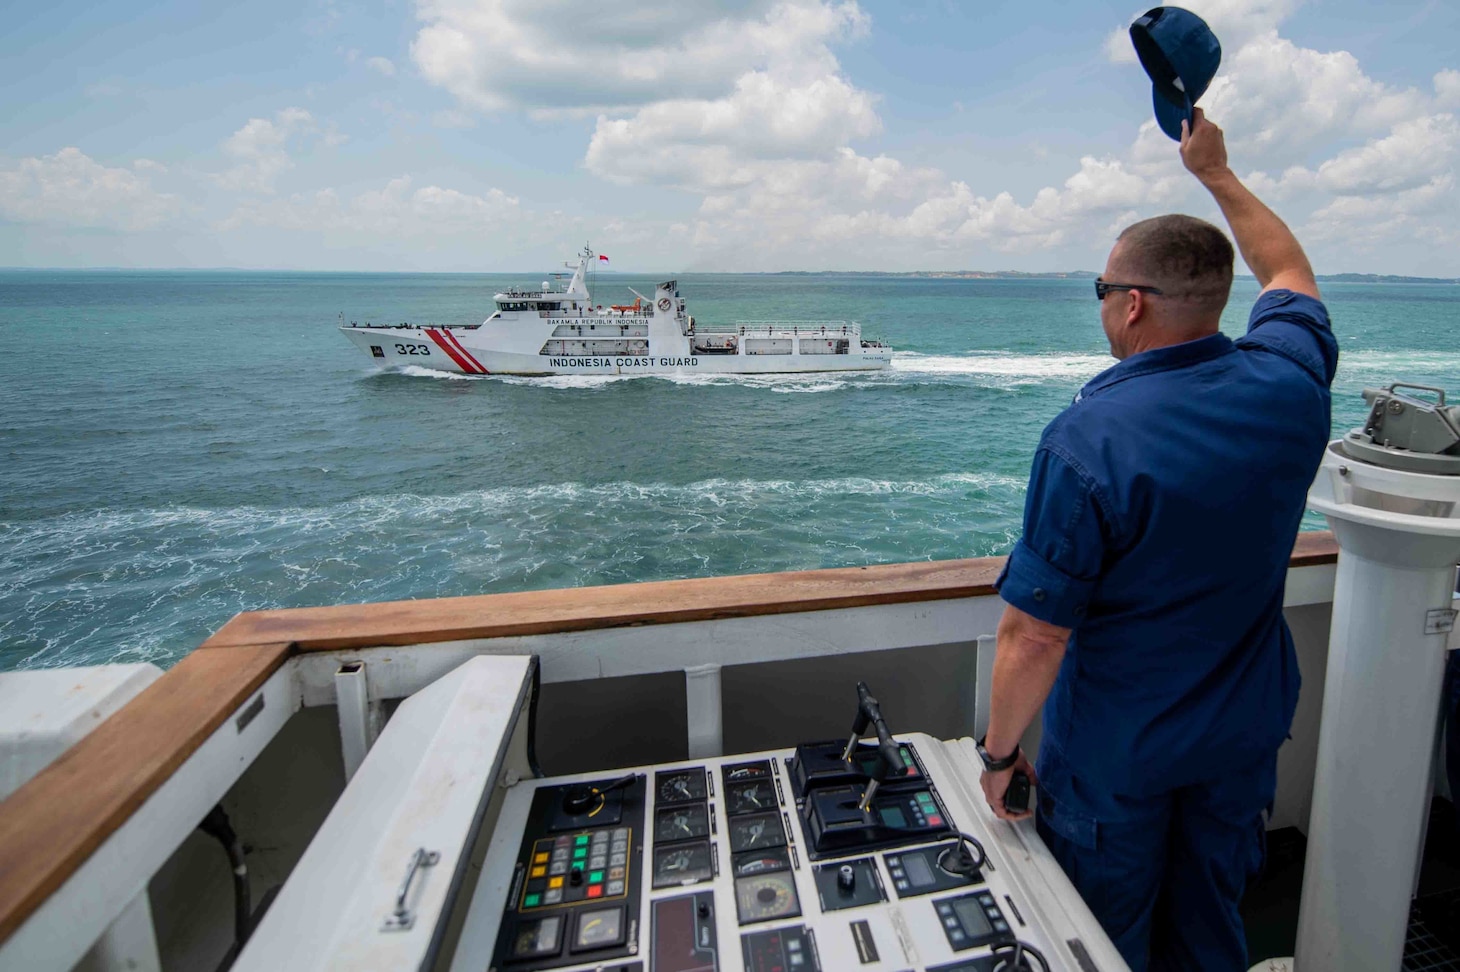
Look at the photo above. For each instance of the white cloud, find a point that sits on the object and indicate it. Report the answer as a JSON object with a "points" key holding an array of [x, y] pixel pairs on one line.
{"points": [[1276, 100], [383, 65], [1447, 88], [494, 54], [712, 144], [72, 189], [394, 211], [260, 150]]}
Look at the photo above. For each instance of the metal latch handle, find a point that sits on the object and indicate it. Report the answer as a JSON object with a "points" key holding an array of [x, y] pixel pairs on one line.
{"points": [[402, 918]]}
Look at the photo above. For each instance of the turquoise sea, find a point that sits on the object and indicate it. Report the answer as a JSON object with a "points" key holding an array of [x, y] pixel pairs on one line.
{"points": [[177, 447]]}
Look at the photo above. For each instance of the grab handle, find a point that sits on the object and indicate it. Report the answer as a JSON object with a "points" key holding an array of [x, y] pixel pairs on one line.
{"points": [[402, 918]]}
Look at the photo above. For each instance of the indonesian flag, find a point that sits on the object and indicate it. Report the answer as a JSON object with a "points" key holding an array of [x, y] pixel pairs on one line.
{"points": [[602, 258]]}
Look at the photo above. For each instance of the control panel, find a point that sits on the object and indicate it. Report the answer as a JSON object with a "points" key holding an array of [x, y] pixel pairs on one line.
{"points": [[839, 855]]}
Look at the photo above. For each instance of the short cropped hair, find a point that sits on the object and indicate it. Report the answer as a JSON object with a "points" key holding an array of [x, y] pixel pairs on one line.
{"points": [[1188, 258]]}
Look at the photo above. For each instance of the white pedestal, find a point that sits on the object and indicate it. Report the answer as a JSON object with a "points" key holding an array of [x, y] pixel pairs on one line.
{"points": [[1391, 616]]}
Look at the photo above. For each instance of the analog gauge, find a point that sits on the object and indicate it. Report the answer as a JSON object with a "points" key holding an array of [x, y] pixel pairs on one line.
{"points": [[759, 862], [750, 796], [762, 897], [681, 864], [759, 770], [682, 786], [600, 928], [681, 823], [756, 833]]}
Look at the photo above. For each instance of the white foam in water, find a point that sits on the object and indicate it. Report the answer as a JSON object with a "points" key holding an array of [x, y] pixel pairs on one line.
{"points": [[1004, 368], [149, 584], [1071, 367]]}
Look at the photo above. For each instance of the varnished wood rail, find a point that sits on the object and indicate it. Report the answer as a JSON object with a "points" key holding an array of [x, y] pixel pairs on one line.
{"points": [[52, 824]]}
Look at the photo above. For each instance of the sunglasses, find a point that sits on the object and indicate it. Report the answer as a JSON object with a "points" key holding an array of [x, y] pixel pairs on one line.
{"points": [[1102, 288]]}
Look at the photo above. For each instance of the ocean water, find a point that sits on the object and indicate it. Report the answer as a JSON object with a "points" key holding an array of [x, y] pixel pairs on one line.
{"points": [[178, 447]]}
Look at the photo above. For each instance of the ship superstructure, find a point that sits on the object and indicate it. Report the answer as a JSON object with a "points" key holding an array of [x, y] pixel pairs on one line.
{"points": [[553, 331]]}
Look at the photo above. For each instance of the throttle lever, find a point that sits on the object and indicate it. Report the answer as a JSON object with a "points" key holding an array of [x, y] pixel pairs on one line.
{"points": [[888, 764], [868, 713]]}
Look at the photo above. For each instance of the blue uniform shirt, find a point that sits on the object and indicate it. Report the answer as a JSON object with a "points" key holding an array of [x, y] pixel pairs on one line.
{"points": [[1161, 514]]}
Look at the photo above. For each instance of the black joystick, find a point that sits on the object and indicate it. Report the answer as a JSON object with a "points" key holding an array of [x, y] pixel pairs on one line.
{"points": [[1018, 957], [586, 799], [962, 861], [575, 876]]}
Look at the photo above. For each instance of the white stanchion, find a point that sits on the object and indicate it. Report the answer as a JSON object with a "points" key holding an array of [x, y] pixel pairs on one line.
{"points": [[1399, 541]]}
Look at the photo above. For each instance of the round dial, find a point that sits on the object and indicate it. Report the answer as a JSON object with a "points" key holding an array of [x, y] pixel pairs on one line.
{"points": [[766, 896]]}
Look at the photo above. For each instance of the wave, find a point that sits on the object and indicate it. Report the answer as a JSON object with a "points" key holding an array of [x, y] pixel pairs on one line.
{"points": [[149, 584], [980, 368]]}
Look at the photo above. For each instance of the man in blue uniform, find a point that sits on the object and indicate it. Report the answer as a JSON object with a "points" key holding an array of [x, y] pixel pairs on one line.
{"points": [[1145, 598]]}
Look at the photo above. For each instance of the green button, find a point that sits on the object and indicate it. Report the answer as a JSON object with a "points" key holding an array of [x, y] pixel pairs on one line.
{"points": [[581, 840], [531, 901], [595, 877], [580, 853]]}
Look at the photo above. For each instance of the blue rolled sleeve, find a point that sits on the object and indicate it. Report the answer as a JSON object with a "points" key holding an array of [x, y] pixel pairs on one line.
{"points": [[1053, 570], [1297, 327]]}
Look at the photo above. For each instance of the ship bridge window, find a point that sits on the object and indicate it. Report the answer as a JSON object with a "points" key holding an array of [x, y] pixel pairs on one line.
{"points": [[550, 305], [515, 305]]}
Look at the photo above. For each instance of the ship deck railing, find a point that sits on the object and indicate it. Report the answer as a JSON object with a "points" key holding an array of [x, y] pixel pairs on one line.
{"points": [[631, 674], [847, 328]]}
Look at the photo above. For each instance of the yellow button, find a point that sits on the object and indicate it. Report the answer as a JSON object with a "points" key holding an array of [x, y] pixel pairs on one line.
{"points": [[538, 872], [540, 859], [554, 883]]}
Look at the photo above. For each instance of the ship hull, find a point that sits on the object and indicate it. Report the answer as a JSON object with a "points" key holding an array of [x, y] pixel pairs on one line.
{"points": [[454, 350]]}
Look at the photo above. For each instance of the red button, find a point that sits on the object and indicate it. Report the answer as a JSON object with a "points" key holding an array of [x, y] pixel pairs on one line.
{"points": [[935, 821], [595, 890]]}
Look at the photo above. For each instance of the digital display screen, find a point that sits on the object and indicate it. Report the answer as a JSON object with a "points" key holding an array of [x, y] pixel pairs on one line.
{"points": [[892, 817], [971, 915], [919, 874], [538, 937]]}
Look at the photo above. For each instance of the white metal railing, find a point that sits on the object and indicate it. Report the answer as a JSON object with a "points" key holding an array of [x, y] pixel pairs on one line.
{"points": [[847, 328]]}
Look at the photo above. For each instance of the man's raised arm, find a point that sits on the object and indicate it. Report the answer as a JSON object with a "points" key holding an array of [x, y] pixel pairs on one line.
{"points": [[1269, 247]]}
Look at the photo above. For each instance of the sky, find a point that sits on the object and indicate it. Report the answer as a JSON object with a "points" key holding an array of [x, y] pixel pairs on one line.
{"points": [[702, 135]]}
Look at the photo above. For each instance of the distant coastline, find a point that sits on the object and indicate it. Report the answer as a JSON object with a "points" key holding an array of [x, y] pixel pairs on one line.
{"points": [[1377, 278], [1387, 278]]}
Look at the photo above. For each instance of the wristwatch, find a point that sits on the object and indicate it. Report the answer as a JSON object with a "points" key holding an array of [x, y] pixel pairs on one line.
{"points": [[997, 765]]}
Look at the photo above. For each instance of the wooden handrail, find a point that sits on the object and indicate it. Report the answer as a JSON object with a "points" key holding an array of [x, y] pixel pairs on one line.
{"points": [[344, 626], [52, 824]]}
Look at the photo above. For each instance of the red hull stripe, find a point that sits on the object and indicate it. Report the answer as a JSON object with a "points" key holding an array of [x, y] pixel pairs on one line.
{"points": [[435, 335], [462, 348]]}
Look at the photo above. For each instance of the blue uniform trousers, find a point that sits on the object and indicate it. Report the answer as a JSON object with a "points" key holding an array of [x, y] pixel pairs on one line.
{"points": [[1163, 874]]}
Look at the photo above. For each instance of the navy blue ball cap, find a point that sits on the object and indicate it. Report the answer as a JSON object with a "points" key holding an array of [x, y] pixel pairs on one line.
{"points": [[1181, 55]]}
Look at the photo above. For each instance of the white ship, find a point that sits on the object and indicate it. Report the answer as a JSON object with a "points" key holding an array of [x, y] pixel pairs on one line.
{"points": [[562, 332]]}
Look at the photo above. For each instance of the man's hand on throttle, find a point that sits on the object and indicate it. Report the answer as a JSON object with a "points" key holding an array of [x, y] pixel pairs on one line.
{"points": [[1203, 149], [994, 785]]}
